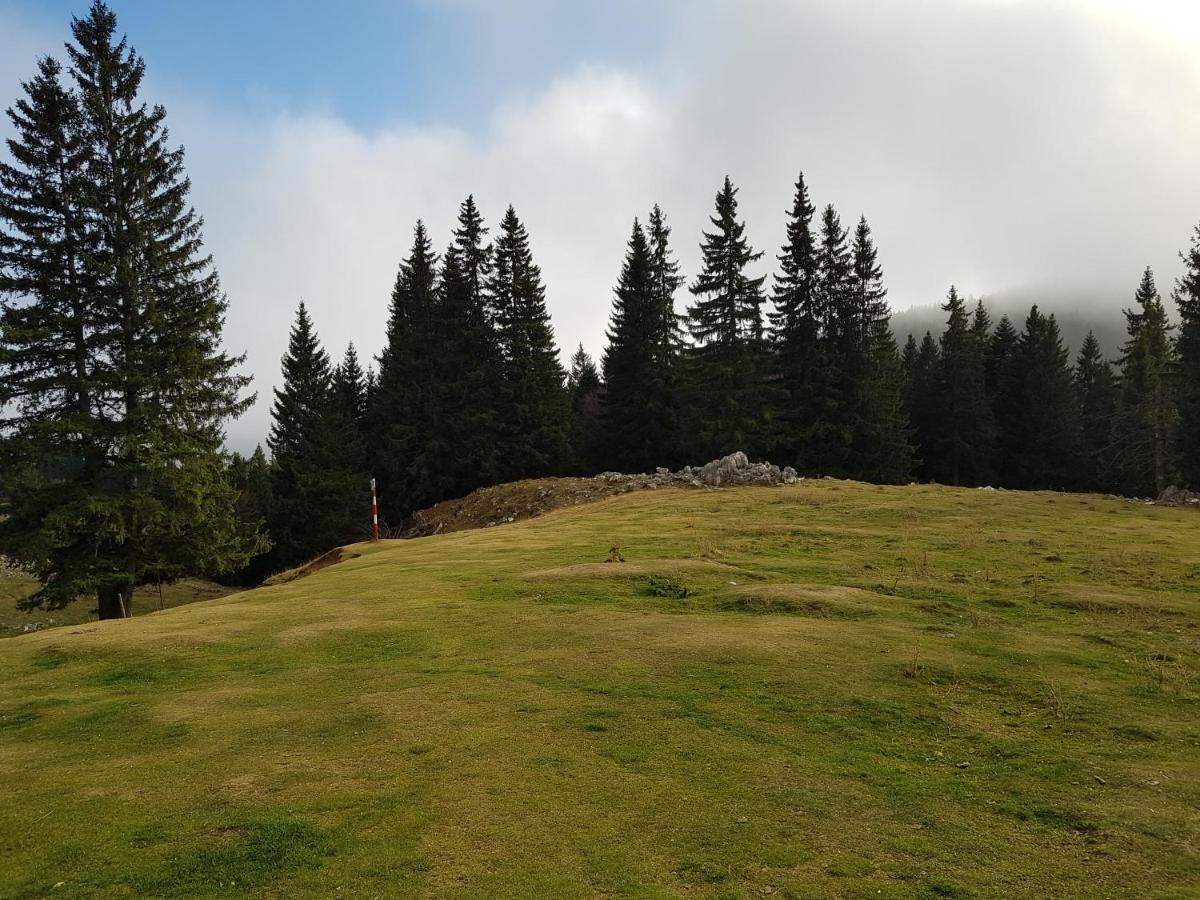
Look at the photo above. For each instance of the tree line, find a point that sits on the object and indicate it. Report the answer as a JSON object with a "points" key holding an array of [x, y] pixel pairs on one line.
{"points": [[114, 387], [468, 390]]}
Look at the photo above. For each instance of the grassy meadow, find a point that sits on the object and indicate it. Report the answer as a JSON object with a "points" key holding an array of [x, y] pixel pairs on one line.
{"points": [[826, 690]]}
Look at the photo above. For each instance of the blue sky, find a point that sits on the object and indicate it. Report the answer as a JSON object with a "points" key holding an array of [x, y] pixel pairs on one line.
{"points": [[1042, 147], [371, 62]]}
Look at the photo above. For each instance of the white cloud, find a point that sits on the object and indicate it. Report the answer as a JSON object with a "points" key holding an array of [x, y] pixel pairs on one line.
{"points": [[990, 144]]}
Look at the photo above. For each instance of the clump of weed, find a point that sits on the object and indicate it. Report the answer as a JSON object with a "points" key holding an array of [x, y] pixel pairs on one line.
{"points": [[913, 666], [614, 554], [662, 586], [1166, 672], [1055, 701]]}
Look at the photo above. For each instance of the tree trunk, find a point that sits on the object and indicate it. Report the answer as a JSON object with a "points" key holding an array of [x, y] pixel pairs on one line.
{"points": [[115, 602]]}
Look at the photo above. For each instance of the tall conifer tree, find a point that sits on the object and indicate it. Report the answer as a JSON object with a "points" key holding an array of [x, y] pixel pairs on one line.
{"points": [[468, 361], [405, 452], [1044, 448], [922, 383], [113, 475], [1187, 299], [1096, 390], [534, 422], [802, 419], [639, 408], [1144, 431], [318, 496], [728, 360], [963, 442], [584, 393], [881, 449]]}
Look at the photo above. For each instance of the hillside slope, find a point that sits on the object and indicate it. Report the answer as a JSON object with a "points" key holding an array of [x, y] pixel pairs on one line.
{"points": [[829, 689]]}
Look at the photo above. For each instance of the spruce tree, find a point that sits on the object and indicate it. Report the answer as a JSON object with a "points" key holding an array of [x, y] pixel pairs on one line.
{"points": [[799, 364], [1044, 447], [350, 387], [319, 498], [1187, 299], [842, 357], [250, 476], [113, 472], [1003, 390], [405, 448], [963, 443], [881, 449], [1096, 392], [468, 363], [584, 393], [639, 408], [534, 415], [1144, 429], [922, 383], [728, 361]]}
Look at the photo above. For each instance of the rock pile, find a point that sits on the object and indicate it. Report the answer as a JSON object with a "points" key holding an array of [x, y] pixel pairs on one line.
{"points": [[1175, 495], [503, 503], [734, 469]]}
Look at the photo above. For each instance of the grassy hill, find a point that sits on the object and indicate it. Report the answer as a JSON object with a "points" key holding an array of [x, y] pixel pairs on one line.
{"points": [[831, 689]]}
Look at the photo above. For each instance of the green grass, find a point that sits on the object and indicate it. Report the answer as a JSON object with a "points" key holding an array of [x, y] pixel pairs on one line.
{"points": [[15, 587], [831, 689]]}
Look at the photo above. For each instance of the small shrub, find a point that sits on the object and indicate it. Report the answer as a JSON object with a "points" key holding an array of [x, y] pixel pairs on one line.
{"points": [[661, 586]]}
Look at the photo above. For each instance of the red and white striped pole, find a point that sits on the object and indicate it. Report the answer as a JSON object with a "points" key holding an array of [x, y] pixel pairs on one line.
{"points": [[374, 510]]}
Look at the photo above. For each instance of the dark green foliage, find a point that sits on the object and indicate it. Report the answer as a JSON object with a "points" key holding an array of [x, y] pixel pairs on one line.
{"points": [[1144, 428], [250, 476], [350, 388], [727, 363], [963, 441], [319, 498], [800, 364], [584, 395], [1002, 388], [881, 448], [1187, 299], [922, 367], [467, 361], [405, 446], [640, 407], [1096, 392], [1044, 448], [113, 474], [533, 408]]}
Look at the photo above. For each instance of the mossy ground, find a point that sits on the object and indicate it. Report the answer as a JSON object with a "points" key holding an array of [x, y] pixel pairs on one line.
{"points": [[862, 691]]}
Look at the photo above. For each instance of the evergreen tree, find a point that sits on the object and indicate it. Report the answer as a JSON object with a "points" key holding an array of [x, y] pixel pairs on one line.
{"points": [[468, 361], [922, 367], [405, 448], [350, 387], [250, 476], [533, 439], [728, 360], [802, 420], [1096, 392], [667, 377], [1044, 448], [639, 408], [1187, 299], [113, 474], [318, 497], [1144, 430], [881, 447], [584, 395], [964, 437], [1002, 383]]}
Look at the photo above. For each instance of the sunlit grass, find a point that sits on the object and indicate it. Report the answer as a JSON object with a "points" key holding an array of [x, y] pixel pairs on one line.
{"points": [[827, 690]]}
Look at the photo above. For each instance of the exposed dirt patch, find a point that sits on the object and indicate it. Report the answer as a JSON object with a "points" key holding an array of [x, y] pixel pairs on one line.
{"points": [[324, 561]]}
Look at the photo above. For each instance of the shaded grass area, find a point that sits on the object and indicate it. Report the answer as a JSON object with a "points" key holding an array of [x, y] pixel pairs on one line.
{"points": [[831, 689], [15, 587]]}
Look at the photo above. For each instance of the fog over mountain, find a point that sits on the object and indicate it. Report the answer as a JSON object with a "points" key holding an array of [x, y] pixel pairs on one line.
{"points": [[990, 143]]}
